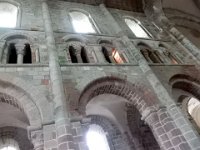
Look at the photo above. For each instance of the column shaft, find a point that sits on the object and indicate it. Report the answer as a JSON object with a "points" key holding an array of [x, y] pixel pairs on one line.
{"points": [[20, 58], [55, 71], [62, 122]]}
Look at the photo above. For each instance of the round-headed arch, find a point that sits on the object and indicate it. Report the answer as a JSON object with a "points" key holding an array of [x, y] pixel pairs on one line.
{"points": [[18, 35], [135, 94], [29, 98], [186, 83]]}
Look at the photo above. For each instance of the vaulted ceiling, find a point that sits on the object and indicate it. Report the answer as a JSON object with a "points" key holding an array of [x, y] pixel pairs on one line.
{"points": [[130, 5]]}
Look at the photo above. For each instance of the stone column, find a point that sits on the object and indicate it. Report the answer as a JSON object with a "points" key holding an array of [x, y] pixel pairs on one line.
{"points": [[37, 55], [160, 91], [37, 139], [164, 129], [64, 137], [2, 45], [20, 49]]}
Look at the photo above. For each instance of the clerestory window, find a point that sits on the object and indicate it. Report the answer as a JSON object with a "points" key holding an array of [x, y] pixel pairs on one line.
{"points": [[8, 15], [81, 22], [137, 29]]}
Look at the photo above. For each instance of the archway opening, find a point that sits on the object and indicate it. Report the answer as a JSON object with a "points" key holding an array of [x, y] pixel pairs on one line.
{"points": [[12, 54], [13, 125], [109, 97], [96, 138], [28, 55]]}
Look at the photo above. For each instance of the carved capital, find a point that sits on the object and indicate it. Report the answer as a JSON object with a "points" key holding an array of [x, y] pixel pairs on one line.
{"points": [[20, 48], [76, 45], [37, 139]]}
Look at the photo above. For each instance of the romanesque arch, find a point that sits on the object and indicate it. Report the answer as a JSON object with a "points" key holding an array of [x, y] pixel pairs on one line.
{"points": [[31, 100], [142, 99], [134, 94]]}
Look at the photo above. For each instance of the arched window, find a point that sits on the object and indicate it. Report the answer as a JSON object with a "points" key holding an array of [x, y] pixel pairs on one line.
{"points": [[136, 27], [171, 58], [193, 108], [8, 15], [152, 56], [81, 22], [19, 56], [96, 138]]}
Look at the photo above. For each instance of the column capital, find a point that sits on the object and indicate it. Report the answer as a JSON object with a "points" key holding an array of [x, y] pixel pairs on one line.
{"points": [[75, 45], [20, 48], [37, 139]]}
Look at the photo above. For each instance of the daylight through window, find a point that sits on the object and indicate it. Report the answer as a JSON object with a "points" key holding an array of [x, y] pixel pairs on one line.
{"points": [[96, 138], [136, 28], [81, 22], [8, 15]]}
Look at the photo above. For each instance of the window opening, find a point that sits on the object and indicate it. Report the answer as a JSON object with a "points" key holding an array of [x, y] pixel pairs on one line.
{"points": [[96, 138], [136, 28], [12, 59], [72, 53], [116, 56], [8, 15], [81, 22], [84, 55], [28, 56], [106, 54]]}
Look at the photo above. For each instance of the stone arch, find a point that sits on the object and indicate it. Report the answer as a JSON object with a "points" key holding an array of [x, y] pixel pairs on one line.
{"points": [[72, 37], [29, 42], [18, 134], [142, 99], [185, 89], [152, 56], [18, 34], [186, 83], [135, 94], [30, 98]]}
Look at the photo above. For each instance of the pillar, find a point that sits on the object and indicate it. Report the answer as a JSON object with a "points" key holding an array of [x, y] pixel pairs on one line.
{"points": [[78, 48], [37, 55], [2, 45], [160, 91], [164, 129], [64, 137], [20, 49]]}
